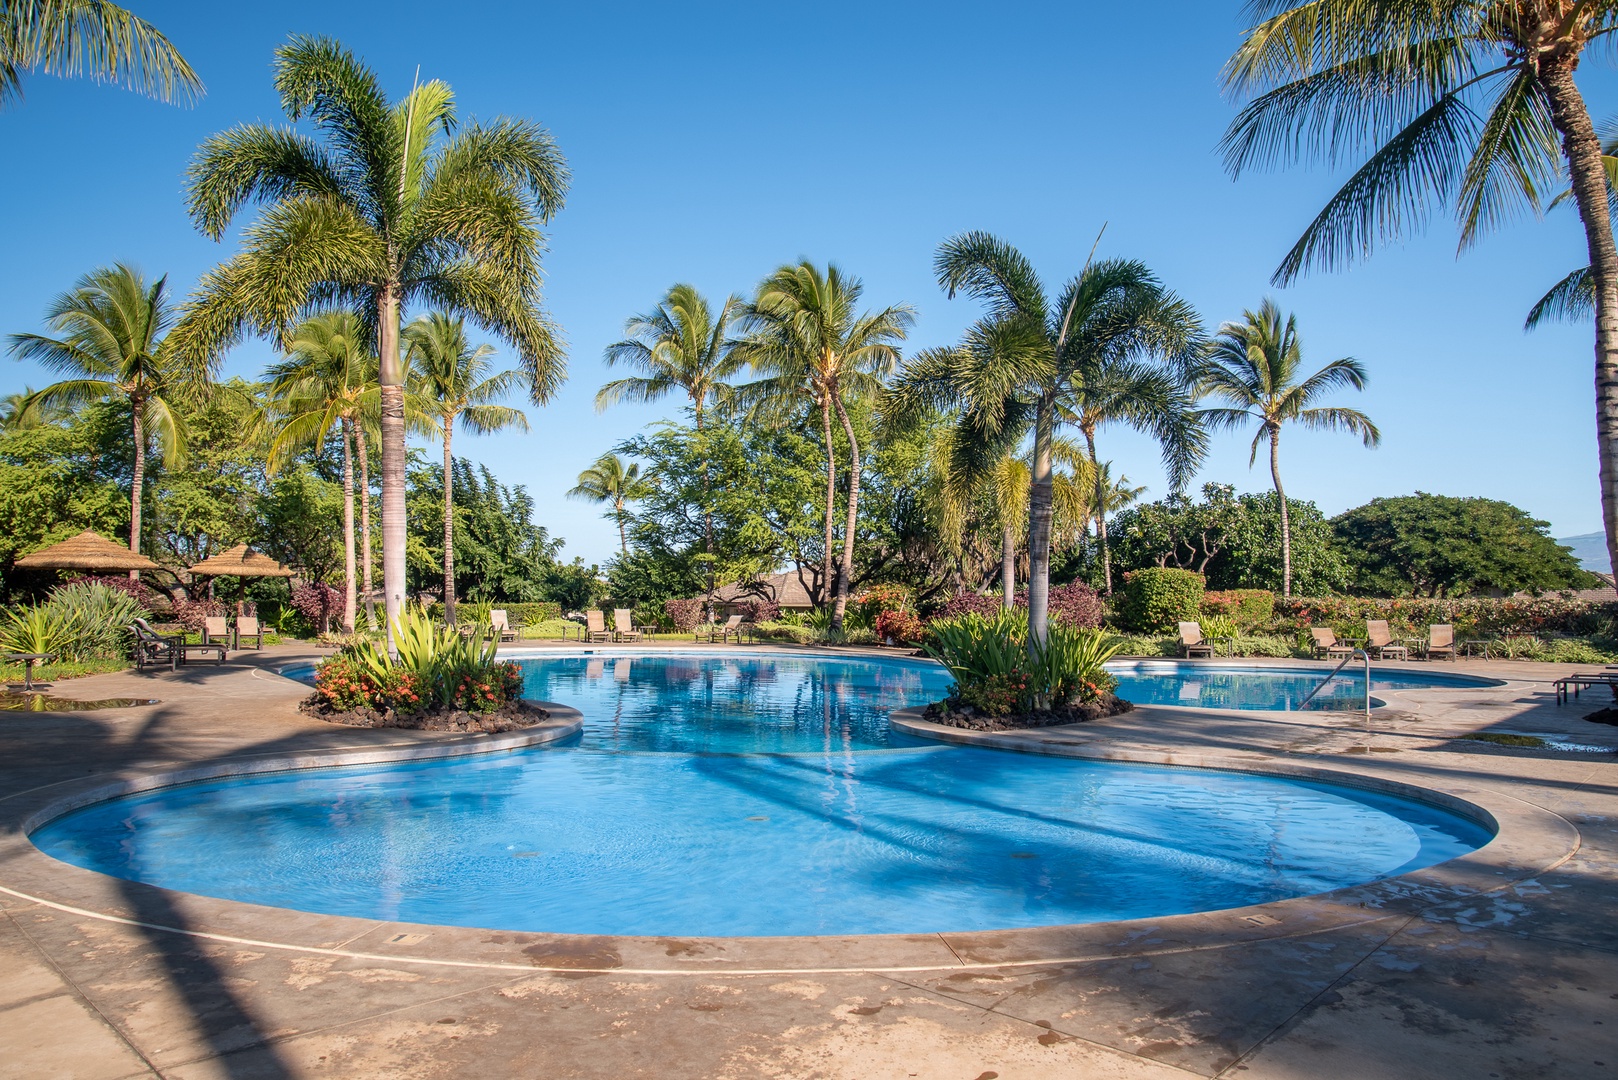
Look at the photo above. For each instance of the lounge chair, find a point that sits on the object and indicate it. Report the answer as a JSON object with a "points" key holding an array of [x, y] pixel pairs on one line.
{"points": [[1192, 643], [1323, 639], [595, 626], [501, 624], [215, 626], [722, 634], [1441, 641], [1380, 643], [249, 628], [152, 648], [623, 628]]}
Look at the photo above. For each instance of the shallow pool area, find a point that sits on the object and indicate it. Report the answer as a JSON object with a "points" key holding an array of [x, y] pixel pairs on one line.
{"points": [[1271, 688]]}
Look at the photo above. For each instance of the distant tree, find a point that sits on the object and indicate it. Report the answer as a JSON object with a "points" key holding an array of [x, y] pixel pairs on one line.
{"points": [[56, 480], [613, 483], [300, 525], [500, 553], [94, 38], [1437, 545]]}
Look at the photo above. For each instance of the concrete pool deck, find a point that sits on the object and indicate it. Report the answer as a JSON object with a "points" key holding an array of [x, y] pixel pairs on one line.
{"points": [[1506, 966]]}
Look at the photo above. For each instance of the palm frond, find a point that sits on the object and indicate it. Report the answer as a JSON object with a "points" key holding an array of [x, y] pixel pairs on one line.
{"points": [[1573, 299], [93, 38]]}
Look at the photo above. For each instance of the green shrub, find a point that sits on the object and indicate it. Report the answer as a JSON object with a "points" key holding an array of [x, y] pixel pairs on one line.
{"points": [[78, 622], [1155, 599], [446, 669], [994, 671], [1249, 608], [1219, 626], [1146, 645], [785, 631]]}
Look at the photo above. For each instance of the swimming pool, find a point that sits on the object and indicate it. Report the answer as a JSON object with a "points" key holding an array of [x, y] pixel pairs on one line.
{"points": [[1270, 688], [663, 818]]}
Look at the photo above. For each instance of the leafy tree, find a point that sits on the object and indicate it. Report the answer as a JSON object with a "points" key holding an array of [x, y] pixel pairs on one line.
{"points": [[298, 519], [809, 347], [1255, 365], [500, 554], [94, 38], [1440, 546], [112, 328], [454, 383], [612, 482], [211, 505], [389, 204], [55, 482], [1464, 103], [1019, 363]]}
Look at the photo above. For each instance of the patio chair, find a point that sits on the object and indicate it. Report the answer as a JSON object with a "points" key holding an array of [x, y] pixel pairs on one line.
{"points": [[215, 626], [1323, 640], [1380, 643], [1441, 641], [249, 628], [721, 634], [1192, 643], [501, 624], [595, 626], [623, 627], [152, 648]]}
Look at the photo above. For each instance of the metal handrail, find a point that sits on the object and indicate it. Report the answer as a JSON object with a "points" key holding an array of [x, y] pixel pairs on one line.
{"points": [[1363, 655]]}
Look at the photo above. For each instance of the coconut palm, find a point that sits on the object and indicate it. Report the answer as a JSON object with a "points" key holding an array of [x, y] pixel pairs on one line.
{"points": [[1256, 365], [327, 379], [112, 331], [612, 482], [808, 345], [1469, 104], [1021, 366], [456, 382], [386, 204], [94, 38]]}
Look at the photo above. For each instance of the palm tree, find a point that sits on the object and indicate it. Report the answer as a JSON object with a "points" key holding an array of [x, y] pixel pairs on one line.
{"points": [[94, 38], [1025, 362], [805, 340], [388, 204], [456, 381], [327, 379], [1255, 365], [112, 328], [1465, 103], [609, 480]]}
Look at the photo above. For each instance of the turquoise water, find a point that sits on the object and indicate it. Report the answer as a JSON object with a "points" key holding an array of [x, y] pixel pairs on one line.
{"points": [[655, 821], [1269, 689]]}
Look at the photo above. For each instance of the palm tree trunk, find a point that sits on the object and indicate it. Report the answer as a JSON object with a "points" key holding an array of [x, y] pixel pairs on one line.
{"points": [[1008, 566], [1582, 149], [847, 573], [1039, 527], [449, 524], [828, 582], [1286, 524], [349, 605], [623, 536], [393, 460], [365, 524], [1101, 514], [136, 481]]}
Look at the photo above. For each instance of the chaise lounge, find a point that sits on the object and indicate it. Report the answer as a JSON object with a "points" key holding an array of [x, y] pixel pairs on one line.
{"points": [[1323, 640], [1192, 643], [153, 649], [1380, 644]]}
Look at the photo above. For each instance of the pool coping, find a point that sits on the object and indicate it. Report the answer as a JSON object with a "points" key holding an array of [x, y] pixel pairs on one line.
{"points": [[1529, 840]]}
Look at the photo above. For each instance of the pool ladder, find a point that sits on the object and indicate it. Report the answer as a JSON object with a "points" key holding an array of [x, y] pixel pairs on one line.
{"points": [[1347, 660]]}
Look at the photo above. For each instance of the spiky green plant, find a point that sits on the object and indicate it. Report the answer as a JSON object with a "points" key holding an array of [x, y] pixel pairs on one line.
{"points": [[94, 38]]}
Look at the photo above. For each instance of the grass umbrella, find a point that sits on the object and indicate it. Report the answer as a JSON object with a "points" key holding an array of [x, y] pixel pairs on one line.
{"points": [[86, 551], [240, 562]]}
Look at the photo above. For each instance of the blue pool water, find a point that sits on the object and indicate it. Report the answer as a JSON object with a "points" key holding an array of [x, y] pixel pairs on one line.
{"points": [[1232, 686], [659, 819]]}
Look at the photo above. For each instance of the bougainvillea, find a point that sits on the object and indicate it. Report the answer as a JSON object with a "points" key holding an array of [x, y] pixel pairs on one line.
{"points": [[190, 613], [901, 626]]}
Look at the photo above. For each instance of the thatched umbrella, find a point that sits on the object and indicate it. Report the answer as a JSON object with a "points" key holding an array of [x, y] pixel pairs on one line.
{"points": [[86, 551], [241, 562]]}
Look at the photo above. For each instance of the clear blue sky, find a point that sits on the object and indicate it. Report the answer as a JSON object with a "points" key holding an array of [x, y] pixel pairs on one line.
{"points": [[710, 144]]}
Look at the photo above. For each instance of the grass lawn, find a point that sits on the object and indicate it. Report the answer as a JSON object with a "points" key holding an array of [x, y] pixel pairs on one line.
{"points": [[13, 673]]}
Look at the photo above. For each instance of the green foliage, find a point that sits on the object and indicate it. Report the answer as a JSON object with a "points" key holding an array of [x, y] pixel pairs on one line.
{"points": [[500, 554], [995, 673], [1434, 545], [448, 669], [78, 623], [1156, 599], [1248, 608], [55, 482], [1218, 626]]}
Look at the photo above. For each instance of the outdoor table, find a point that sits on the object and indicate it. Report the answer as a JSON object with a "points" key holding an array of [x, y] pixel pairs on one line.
{"points": [[29, 659]]}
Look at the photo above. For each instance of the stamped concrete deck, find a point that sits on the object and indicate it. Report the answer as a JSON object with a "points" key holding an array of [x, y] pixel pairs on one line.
{"points": [[1504, 964]]}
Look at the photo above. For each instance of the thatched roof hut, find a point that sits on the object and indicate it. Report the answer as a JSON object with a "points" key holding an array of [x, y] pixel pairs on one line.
{"points": [[241, 561], [86, 551]]}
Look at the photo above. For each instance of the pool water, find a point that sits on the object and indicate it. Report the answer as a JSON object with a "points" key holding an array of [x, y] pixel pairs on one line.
{"points": [[660, 820], [1231, 686]]}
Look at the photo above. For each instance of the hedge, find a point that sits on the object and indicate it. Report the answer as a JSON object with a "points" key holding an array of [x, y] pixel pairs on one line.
{"points": [[1075, 605], [1249, 607], [1474, 617], [1156, 599]]}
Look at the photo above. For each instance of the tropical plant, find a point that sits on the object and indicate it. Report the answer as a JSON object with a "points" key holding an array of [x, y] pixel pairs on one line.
{"points": [[1111, 497], [77, 622], [1156, 598], [1025, 365], [112, 329], [454, 382], [33, 628], [1256, 366], [611, 481], [388, 204], [1465, 103], [997, 673], [450, 670], [808, 345], [94, 38], [328, 379]]}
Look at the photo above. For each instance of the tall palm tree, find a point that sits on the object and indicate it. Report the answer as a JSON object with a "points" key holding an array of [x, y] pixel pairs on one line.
{"points": [[112, 331], [1469, 104], [94, 38], [1256, 365], [1026, 357], [456, 381], [1115, 495], [385, 205], [805, 340], [612, 482], [329, 378], [682, 345]]}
